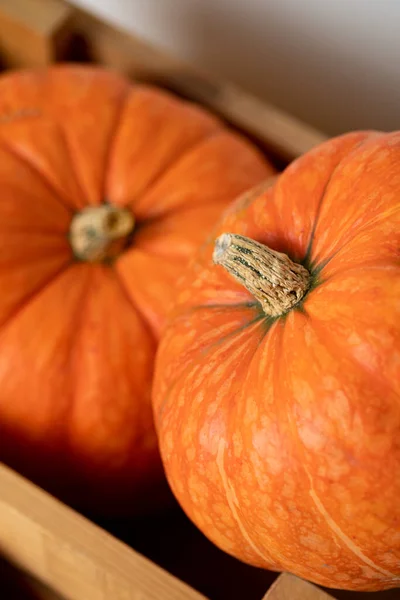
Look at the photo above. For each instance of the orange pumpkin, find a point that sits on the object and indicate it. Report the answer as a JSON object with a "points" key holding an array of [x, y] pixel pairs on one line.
{"points": [[277, 383], [106, 189]]}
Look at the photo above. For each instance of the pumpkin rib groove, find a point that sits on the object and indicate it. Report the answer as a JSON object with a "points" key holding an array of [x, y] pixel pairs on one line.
{"points": [[275, 377], [292, 425], [367, 266], [331, 524], [280, 558], [361, 231], [145, 224], [18, 309], [121, 284], [312, 262], [169, 165], [224, 306], [334, 527], [230, 498], [81, 450], [160, 411], [73, 165], [147, 252], [375, 220], [273, 209], [36, 171], [16, 261], [173, 166], [119, 115], [336, 352], [187, 370], [37, 233], [278, 344], [256, 321], [150, 231], [79, 316], [345, 538], [307, 261]]}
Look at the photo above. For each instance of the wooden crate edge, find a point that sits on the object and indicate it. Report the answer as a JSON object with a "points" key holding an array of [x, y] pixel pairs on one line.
{"points": [[290, 587]]}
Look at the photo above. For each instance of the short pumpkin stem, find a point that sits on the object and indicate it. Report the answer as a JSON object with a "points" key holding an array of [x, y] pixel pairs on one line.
{"points": [[271, 277], [99, 233]]}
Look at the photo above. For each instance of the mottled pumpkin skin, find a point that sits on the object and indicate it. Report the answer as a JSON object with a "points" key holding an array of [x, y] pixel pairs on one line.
{"points": [[77, 340], [281, 438]]}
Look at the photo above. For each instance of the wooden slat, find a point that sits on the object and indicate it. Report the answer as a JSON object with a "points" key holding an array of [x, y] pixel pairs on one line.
{"points": [[289, 587], [285, 135], [71, 555], [32, 31]]}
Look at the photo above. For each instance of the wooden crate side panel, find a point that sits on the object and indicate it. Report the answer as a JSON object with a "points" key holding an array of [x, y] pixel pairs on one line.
{"points": [[70, 554]]}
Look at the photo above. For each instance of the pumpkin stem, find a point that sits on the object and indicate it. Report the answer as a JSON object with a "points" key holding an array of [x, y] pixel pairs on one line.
{"points": [[99, 233], [271, 277]]}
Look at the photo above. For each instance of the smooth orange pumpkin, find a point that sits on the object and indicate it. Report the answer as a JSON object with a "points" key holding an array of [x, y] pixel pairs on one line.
{"points": [[106, 188], [277, 383]]}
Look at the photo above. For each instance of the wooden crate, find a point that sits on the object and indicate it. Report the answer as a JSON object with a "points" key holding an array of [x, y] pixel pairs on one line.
{"points": [[47, 548]]}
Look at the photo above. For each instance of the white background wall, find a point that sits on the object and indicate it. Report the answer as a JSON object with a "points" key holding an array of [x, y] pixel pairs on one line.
{"points": [[334, 63]]}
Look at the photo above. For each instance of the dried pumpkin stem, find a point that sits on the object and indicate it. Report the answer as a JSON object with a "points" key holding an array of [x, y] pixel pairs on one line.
{"points": [[99, 233], [271, 277]]}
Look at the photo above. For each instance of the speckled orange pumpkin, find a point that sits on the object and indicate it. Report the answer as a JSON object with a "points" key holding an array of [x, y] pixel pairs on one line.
{"points": [[277, 387], [106, 188]]}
